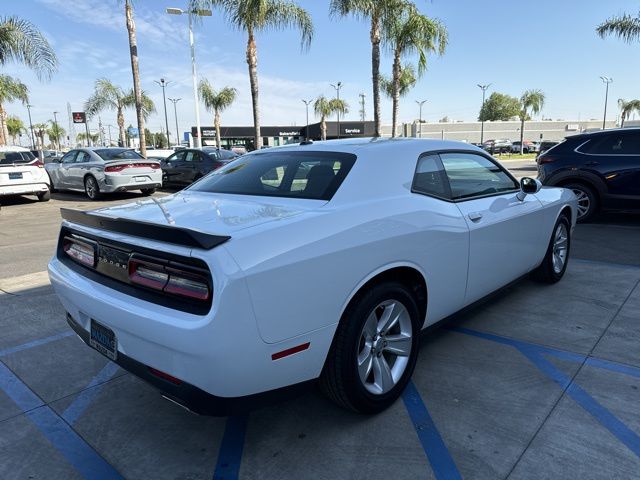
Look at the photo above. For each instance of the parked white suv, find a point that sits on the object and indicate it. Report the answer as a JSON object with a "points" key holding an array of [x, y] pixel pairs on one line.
{"points": [[22, 174]]}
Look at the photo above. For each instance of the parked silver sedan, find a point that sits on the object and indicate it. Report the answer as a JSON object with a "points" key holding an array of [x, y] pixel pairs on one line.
{"points": [[104, 170]]}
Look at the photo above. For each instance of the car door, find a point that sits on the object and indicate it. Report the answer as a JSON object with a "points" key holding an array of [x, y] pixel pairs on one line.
{"points": [[186, 170], [76, 171], [170, 167], [504, 232], [59, 173]]}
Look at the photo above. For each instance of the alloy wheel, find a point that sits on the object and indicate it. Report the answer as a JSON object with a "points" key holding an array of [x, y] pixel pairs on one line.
{"points": [[584, 202], [384, 347], [560, 247], [91, 188]]}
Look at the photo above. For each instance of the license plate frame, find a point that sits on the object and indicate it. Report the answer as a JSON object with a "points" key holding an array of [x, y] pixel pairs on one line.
{"points": [[103, 339], [15, 176]]}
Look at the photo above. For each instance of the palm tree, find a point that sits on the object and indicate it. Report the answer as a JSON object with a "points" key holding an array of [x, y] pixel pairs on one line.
{"points": [[377, 12], [11, 89], [253, 16], [22, 42], [82, 138], [138, 94], [216, 102], [55, 132], [325, 108], [15, 126], [108, 96], [626, 108], [406, 81], [530, 101], [626, 27], [409, 32], [39, 130]]}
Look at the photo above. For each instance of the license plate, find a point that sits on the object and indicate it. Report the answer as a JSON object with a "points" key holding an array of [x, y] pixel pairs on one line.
{"points": [[15, 175], [140, 179], [103, 340]]}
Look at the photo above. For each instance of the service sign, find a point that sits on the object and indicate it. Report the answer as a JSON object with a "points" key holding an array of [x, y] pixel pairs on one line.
{"points": [[79, 117]]}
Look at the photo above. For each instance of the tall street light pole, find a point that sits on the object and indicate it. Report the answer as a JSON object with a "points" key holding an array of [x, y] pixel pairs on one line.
{"points": [[362, 111], [607, 81], [420, 102], [55, 122], [175, 113], [306, 130], [484, 90], [338, 87], [33, 141], [109, 127], [163, 83], [190, 14]]}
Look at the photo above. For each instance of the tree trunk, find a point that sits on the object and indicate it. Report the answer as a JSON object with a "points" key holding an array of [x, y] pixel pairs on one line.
{"points": [[133, 49], [216, 122], [522, 133], [252, 62], [396, 90], [323, 128], [4, 131], [623, 118], [121, 134], [375, 72]]}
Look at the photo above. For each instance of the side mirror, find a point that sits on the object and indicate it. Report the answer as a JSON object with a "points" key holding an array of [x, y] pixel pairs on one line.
{"points": [[528, 185]]}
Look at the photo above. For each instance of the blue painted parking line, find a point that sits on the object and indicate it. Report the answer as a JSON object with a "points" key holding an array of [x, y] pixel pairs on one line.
{"points": [[230, 452], [35, 343], [77, 452], [443, 466], [534, 353], [91, 391]]}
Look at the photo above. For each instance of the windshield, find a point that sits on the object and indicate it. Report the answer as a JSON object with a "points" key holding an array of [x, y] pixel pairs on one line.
{"points": [[313, 175], [118, 154]]}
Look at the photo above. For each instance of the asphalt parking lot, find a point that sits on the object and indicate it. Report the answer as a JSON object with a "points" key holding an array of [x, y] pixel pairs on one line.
{"points": [[538, 382]]}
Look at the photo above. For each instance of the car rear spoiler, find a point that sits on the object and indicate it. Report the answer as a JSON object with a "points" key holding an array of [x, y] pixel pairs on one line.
{"points": [[153, 231]]}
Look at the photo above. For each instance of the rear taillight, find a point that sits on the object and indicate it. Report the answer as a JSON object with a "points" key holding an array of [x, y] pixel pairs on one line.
{"points": [[81, 251], [542, 159], [37, 163], [172, 279], [119, 168]]}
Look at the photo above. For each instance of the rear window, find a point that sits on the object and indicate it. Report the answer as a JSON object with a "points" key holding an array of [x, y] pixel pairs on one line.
{"points": [[9, 158], [117, 154], [313, 175]]}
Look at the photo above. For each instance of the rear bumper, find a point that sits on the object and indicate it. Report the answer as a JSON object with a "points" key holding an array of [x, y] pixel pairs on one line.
{"points": [[121, 183], [23, 189]]}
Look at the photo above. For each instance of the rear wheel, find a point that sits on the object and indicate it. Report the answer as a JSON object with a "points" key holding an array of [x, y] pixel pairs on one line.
{"points": [[374, 350], [148, 191], [91, 188], [44, 196], [552, 268], [587, 200]]}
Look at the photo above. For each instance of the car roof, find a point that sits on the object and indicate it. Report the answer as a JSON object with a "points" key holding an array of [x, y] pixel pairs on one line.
{"points": [[13, 148]]}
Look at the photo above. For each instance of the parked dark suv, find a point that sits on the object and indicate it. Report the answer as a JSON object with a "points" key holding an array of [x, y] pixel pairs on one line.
{"points": [[188, 165], [602, 168]]}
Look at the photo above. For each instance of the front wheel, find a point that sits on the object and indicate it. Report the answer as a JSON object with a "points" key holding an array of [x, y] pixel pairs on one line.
{"points": [[552, 268], [374, 350]]}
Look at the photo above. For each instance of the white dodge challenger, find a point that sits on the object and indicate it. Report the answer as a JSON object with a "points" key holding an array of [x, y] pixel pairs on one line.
{"points": [[314, 261]]}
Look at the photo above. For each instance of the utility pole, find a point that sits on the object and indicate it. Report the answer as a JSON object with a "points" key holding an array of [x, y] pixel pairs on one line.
{"points": [[420, 102], [163, 83], [57, 131], [484, 89], [100, 130], [109, 127], [33, 141], [362, 112], [607, 81], [175, 113], [338, 87], [306, 130]]}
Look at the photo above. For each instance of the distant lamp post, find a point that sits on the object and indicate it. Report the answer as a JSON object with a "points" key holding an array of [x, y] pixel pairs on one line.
{"points": [[163, 83], [190, 14], [420, 102], [362, 111], [175, 113], [338, 86], [57, 132], [33, 141], [607, 81], [484, 90], [306, 130]]}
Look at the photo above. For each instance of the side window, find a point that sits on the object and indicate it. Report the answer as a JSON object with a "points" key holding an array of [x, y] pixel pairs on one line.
{"points": [[83, 157], [472, 175], [619, 143], [190, 157], [69, 157], [430, 178], [176, 157]]}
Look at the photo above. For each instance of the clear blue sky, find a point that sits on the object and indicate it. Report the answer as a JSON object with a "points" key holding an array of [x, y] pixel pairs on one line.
{"points": [[550, 45]]}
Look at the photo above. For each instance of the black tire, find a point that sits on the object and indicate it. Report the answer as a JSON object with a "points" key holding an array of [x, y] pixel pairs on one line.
{"points": [[52, 189], [148, 191], [587, 197], [340, 379], [547, 272], [44, 196], [91, 188]]}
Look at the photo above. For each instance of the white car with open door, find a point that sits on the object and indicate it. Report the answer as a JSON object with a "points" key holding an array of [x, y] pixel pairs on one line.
{"points": [[21, 173], [314, 261]]}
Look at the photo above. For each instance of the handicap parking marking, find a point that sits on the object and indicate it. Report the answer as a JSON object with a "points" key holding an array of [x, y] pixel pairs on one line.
{"points": [[36, 343], [534, 353], [77, 452], [230, 452], [442, 464]]}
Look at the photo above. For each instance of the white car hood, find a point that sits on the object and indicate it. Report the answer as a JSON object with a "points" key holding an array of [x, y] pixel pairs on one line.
{"points": [[217, 214]]}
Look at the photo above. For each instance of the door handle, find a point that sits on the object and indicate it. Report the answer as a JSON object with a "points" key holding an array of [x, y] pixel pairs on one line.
{"points": [[475, 216]]}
